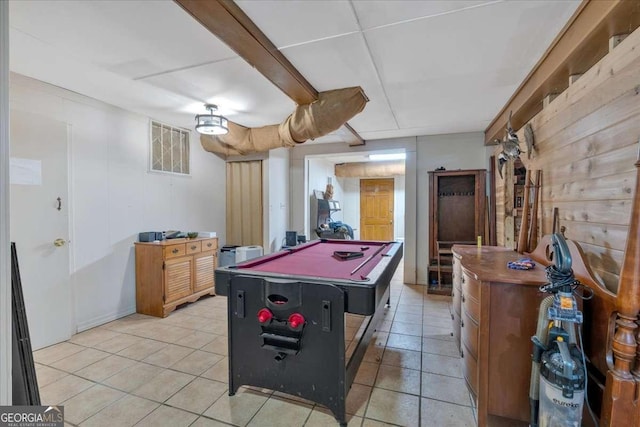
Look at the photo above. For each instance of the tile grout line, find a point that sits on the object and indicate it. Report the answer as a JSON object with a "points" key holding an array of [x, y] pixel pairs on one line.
{"points": [[192, 331]]}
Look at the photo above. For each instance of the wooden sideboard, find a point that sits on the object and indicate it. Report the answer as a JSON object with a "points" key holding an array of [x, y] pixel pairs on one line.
{"points": [[173, 272], [495, 310]]}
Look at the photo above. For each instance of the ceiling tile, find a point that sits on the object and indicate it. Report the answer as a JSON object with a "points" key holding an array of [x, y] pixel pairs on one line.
{"points": [[242, 94], [130, 38], [487, 39], [343, 62], [376, 13], [427, 67], [451, 104], [461, 68], [290, 22]]}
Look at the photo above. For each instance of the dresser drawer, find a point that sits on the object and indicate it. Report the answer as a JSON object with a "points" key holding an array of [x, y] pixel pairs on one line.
{"points": [[456, 295], [470, 286], [469, 333], [209, 245], [173, 251], [193, 247], [455, 320], [472, 307], [456, 276], [470, 370]]}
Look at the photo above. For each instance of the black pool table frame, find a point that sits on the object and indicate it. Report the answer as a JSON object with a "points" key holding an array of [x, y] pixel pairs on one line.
{"points": [[309, 362]]}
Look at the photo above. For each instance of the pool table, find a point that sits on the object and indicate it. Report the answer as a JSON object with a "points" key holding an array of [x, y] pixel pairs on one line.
{"points": [[286, 315]]}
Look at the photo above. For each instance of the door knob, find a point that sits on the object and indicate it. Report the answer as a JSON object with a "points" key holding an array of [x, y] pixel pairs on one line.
{"points": [[59, 242]]}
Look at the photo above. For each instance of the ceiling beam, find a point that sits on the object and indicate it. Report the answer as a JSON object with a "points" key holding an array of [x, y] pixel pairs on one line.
{"points": [[231, 25], [580, 45]]}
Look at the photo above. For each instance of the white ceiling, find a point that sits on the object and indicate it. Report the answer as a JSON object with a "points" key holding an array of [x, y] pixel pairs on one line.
{"points": [[428, 67]]}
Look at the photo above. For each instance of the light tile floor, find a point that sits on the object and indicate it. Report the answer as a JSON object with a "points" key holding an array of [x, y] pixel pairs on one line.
{"points": [[147, 371]]}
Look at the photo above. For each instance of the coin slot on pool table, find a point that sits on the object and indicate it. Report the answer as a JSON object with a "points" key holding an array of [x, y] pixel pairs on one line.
{"points": [[278, 299], [279, 294]]}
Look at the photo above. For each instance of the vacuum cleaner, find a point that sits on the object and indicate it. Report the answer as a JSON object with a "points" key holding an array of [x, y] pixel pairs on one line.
{"points": [[558, 374]]}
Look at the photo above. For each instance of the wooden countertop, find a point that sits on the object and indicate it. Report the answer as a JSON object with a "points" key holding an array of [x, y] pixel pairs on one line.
{"points": [[489, 263]]}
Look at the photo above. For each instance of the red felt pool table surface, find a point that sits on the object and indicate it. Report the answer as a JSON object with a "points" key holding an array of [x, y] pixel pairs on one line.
{"points": [[316, 259]]}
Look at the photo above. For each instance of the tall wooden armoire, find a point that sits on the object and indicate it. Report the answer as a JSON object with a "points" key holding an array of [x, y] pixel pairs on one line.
{"points": [[456, 216]]}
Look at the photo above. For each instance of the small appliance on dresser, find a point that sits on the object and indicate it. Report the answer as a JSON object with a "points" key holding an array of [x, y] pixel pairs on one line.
{"points": [[150, 236]]}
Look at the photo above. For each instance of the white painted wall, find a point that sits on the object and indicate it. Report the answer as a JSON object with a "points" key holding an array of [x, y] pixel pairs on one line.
{"points": [[277, 200], [351, 205], [114, 196], [5, 254], [424, 153]]}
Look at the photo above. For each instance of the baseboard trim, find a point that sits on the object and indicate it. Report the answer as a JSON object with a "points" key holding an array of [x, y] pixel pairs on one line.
{"points": [[101, 320]]}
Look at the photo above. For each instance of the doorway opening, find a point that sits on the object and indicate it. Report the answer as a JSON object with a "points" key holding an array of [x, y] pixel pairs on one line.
{"points": [[348, 173]]}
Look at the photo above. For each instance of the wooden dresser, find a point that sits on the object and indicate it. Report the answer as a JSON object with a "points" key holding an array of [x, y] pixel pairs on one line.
{"points": [[172, 272], [495, 312]]}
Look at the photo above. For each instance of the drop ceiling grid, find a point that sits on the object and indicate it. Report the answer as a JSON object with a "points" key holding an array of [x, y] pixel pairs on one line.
{"points": [[237, 88], [132, 38], [343, 62], [69, 72], [288, 23], [448, 64]]}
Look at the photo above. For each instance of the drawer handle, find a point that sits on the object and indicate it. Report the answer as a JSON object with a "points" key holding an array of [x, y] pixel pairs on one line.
{"points": [[462, 323], [463, 281], [462, 354], [452, 317], [209, 245], [175, 251], [193, 247], [453, 294], [463, 300]]}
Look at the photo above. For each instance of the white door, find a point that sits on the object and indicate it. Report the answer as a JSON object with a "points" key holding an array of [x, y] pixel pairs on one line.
{"points": [[40, 223]]}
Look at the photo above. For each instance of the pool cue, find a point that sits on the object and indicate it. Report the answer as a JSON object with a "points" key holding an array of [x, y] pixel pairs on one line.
{"points": [[368, 259]]}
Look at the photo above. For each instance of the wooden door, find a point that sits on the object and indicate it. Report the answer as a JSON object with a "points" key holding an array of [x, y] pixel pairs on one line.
{"points": [[40, 223], [244, 203], [376, 209]]}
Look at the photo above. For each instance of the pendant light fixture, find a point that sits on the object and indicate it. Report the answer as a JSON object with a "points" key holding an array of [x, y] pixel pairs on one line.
{"points": [[211, 124]]}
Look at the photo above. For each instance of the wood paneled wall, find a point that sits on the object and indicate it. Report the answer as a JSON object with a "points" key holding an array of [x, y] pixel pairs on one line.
{"points": [[587, 141]]}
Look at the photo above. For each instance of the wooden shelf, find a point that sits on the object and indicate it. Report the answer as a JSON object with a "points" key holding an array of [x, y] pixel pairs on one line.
{"points": [[443, 268]]}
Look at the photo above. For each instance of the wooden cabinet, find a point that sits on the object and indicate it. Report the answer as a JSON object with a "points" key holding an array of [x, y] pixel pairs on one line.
{"points": [[456, 215], [172, 272], [498, 316]]}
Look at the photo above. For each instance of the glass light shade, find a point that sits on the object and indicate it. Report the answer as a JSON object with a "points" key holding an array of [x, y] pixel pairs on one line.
{"points": [[211, 124]]}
